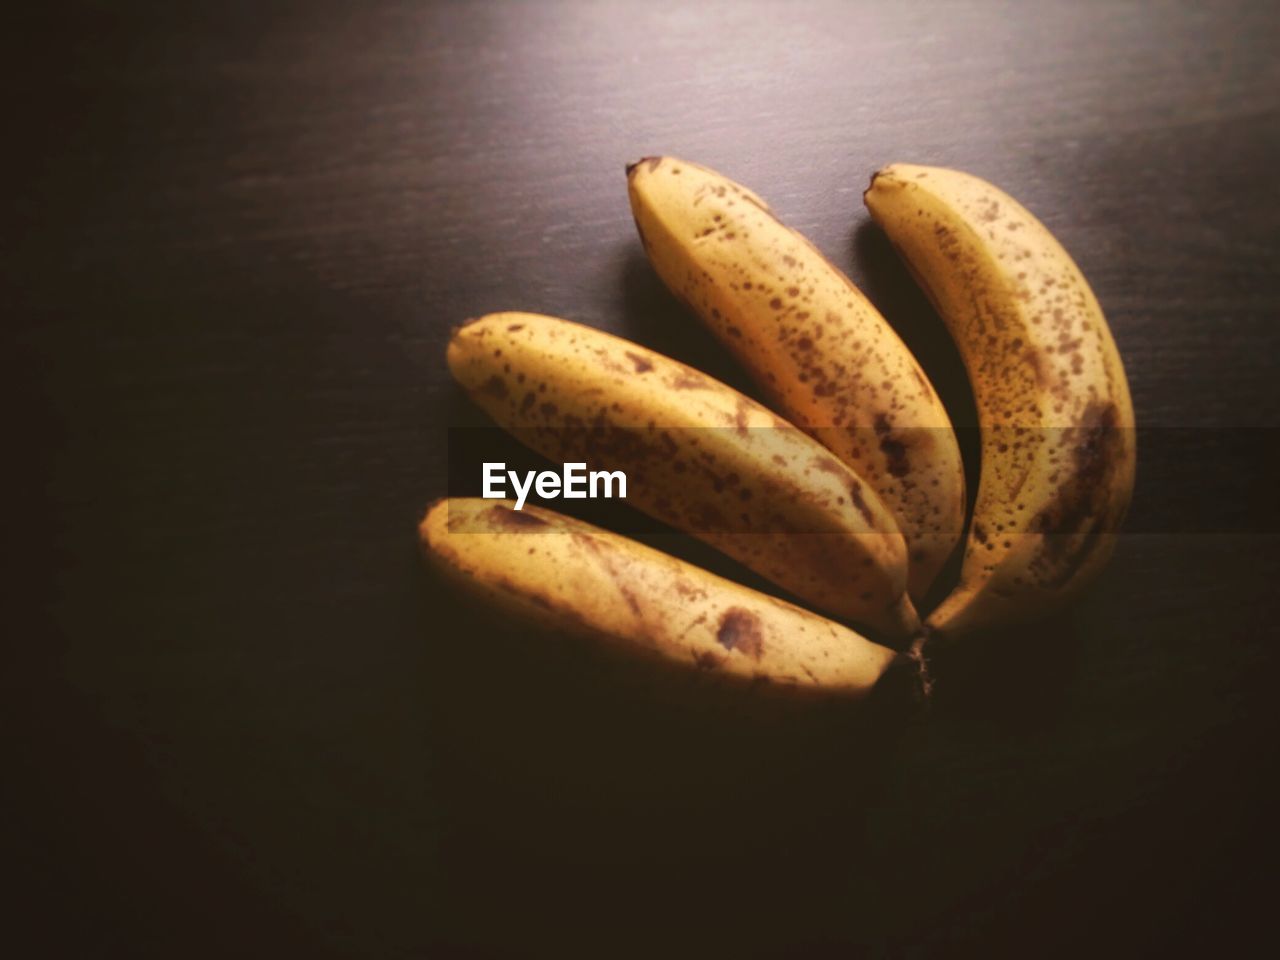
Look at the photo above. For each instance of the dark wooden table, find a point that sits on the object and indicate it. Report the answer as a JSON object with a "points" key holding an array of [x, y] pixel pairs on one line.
{"points": [[241, 721]]}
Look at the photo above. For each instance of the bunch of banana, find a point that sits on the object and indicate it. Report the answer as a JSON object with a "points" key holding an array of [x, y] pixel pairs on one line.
{"points": [[577, 578], [698, 455], [824, 355], [1058, 450], [855, 509]]}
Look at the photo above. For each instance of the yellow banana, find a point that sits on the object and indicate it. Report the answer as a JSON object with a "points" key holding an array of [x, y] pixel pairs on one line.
{"points": [[825, 356], [697, 454], [570, 575], [1058, 450]]}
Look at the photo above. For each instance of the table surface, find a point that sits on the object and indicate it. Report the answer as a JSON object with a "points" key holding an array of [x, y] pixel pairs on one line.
{"points": [[239, 239]]}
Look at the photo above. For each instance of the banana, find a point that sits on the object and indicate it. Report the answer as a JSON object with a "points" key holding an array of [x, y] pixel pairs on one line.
{"points": [[823, 354], [571, 576], [697, 454], [1058, 444]]}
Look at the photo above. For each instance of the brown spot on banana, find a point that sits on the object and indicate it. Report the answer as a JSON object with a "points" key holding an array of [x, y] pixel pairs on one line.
{"points": [[859, 499], [894, 450], [506, 517], [740, 630], [642, 364]]}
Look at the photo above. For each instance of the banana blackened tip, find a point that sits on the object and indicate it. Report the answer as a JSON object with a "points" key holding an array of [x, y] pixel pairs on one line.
{"points": [[872, 183], [650, 162], [457, 329]]}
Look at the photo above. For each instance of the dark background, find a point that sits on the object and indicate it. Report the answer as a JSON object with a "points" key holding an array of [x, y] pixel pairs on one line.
{"points": [[241, 719]]}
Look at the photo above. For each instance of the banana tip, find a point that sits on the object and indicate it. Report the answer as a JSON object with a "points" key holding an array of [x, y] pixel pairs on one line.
{"points": [[872, 182], [454, 331], [650, 162], [439, 503]]}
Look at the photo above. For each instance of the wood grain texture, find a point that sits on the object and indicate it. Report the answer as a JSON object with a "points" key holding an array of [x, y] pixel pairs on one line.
{"points": [[238, 240]]}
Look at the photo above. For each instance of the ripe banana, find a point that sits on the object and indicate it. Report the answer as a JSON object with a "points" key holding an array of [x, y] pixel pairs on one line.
{"points": [[825, 356], [1058, 445], [698, 455], [572, 576]]}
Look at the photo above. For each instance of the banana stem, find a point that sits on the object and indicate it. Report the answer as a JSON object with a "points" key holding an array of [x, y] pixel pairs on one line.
{"points": [[909, 679], [916, 652]]}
